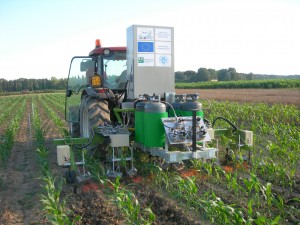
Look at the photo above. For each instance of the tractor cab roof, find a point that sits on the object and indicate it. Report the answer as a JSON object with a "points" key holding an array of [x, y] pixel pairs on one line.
{"points": [[101, 50]]}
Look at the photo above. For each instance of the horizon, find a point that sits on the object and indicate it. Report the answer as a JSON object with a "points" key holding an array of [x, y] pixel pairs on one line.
{"points": [[41, 78]]}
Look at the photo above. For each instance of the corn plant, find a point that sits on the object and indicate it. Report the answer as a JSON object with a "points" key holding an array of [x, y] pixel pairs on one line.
{"points": [[56, 100], [124, 199], [8, 138], [52, 205], [186, 187], [56, 119], [129, 205], [232, 182], [221, 213]]}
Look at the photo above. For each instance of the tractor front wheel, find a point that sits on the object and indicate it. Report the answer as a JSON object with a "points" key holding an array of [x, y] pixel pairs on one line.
{"points": [[93, 112]]}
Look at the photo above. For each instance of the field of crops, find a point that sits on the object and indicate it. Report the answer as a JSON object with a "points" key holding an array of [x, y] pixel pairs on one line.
{"points": [[263, 191], [268, 84]]}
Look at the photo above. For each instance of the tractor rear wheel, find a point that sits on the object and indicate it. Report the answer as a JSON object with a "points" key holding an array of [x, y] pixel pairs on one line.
{"points": [[93, 112]]}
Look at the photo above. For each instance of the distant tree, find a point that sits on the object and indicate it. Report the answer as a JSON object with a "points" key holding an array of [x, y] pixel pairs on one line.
{"points": [[233, 74], [227, 76], [224, 75], [213, 74], [32, 84], [249, 76], [1, 84], [180, 77], [203, 74], [190, 75]]}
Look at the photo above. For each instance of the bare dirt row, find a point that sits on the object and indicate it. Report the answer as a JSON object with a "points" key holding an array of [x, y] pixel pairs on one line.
{"points": [[19, 200], [270, 96]]}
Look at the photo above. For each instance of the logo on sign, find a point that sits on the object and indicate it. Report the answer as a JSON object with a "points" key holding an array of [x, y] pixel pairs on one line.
{"points": [[140, 59], [163, 60], [145, 47]]}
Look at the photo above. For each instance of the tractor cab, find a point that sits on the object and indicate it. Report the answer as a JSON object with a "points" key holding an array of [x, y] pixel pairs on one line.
{"points": [[102, 76], [103, 68]]}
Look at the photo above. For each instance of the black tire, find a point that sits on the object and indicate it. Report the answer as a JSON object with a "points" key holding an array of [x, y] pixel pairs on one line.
{"points": [[93, 112], [74, 127]]}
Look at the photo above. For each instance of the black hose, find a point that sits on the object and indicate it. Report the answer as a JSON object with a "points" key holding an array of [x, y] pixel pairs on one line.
{"points": [[86, 145], [226, 120]]}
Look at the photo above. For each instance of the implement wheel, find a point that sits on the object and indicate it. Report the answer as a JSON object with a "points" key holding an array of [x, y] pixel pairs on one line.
{"points": [[93, 112]]}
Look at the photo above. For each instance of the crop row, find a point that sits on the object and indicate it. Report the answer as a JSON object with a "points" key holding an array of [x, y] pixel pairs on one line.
{"points": [[53, 205], [124, 199], [261, 205], [9, 105], [58, 121], [7, 139], [276, 150], [285, 83], [56, 101]]}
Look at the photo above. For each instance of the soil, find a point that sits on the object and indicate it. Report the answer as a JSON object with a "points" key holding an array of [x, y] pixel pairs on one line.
{"points": [[94, 208], [165, 210], [270, 96]]}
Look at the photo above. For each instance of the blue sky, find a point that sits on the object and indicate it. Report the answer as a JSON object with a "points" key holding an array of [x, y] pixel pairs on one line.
{"points": [[39, 38]]}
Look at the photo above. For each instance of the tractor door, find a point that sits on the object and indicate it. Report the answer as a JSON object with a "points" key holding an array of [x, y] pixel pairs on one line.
{"points": [[80, 71]]}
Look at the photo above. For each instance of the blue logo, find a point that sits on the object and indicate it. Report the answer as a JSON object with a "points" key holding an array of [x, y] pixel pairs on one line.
{"points": [[163, 60], [145, 47]]}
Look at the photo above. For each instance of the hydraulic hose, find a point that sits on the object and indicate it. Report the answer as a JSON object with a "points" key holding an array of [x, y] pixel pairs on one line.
{"points": [[85, 145], [226, 120]]}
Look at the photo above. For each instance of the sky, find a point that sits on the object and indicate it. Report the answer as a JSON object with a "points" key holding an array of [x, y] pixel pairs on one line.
{"points": [[39, 38]]}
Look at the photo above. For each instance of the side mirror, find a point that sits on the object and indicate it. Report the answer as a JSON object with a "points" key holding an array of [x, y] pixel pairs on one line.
{"points": [[68, 93], [85, 65]]}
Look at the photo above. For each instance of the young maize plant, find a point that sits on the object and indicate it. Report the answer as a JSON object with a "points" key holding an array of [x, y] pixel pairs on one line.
{"points": [[7, 140], [53, 205]]}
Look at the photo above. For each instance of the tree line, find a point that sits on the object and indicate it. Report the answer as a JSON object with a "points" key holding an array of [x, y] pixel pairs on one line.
{"points": [[188, 76], [23, 84], [229, 74], [266, 84]]}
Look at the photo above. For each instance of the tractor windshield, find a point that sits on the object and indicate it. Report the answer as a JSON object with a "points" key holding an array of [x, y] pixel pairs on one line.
{"points": [[114, 70]]}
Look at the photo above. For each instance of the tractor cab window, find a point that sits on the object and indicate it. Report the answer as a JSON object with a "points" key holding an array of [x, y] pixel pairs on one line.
{"points": [[81, 69], [114, 70]]}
